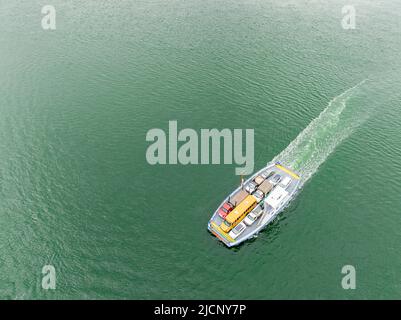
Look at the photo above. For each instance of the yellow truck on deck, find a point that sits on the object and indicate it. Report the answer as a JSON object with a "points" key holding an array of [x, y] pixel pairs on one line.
{"points": [[239, 213]]}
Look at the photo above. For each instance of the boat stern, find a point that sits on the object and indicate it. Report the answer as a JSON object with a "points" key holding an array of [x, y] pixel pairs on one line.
{"points": [[214, 228]]}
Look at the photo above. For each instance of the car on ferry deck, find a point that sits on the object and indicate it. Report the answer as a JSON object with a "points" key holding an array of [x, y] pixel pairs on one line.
{"points": [[250, 187], [253, 216], [259, 195], [236, 231], [225, 209]]}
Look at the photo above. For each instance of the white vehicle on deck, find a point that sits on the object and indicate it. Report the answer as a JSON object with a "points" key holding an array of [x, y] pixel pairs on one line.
{"points": [[259, 195], [275, 179], [285, 182], [253, 216], [250, 187], [236, 231]]}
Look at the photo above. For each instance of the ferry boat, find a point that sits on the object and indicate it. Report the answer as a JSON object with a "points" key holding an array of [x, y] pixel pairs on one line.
{"points": [[254, 204]]}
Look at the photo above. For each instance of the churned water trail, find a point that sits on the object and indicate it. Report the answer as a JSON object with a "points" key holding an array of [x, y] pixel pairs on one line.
{"points": [[319, 139]]}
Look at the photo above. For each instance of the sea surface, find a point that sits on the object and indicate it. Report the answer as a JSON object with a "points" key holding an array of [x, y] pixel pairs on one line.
{"points": [[77, 193]]}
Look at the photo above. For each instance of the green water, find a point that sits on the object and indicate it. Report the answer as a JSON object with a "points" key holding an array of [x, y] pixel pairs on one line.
{"points": [[76, 103]]}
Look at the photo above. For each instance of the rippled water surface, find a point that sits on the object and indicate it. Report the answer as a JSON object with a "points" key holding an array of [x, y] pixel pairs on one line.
{"points": [[76, 103]]}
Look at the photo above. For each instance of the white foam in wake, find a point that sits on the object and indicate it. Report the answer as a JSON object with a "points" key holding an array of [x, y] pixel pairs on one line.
{"points": [[315, 143]]}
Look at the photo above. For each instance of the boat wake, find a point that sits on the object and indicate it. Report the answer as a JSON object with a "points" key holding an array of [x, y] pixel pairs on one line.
{"points": [[319, 139]]}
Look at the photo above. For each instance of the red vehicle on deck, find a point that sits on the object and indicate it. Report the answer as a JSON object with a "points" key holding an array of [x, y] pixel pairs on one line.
{"points": [[225, 209]]}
